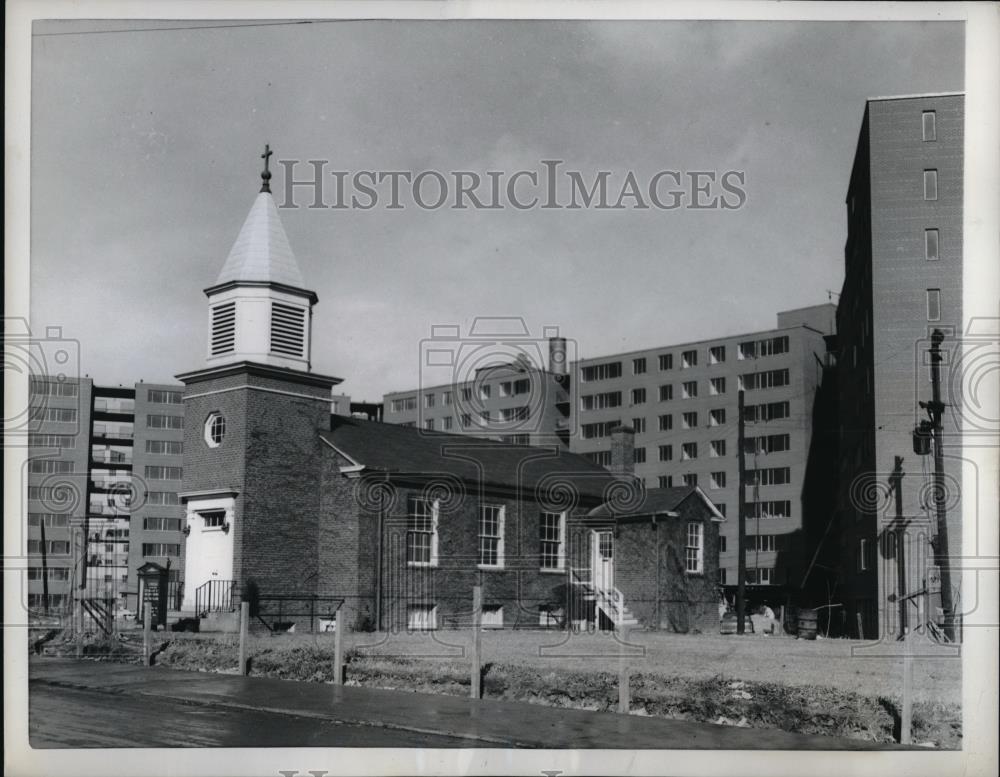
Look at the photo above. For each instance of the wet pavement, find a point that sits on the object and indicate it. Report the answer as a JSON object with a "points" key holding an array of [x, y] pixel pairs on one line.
{"points": [[71, 717], [84, 703]]}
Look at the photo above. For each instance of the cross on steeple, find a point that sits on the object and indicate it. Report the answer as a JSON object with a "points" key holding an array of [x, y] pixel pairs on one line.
{"points": [[266, 174]]}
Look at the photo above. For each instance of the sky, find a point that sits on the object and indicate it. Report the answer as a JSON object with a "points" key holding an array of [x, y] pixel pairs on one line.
{"points": [[146, 157]]}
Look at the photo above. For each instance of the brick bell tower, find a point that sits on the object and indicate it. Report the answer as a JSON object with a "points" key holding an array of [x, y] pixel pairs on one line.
{"points": [[251, 420]]}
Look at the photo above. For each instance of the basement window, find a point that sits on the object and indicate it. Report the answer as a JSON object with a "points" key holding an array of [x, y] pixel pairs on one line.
{"points": [[421, 617]]}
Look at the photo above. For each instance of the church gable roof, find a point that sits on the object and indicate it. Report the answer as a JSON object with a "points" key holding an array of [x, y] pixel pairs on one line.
{"points": [[261, 252], [657, 501], [408, 451]]}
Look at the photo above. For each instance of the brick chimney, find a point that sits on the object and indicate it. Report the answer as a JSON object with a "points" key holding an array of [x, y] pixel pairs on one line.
{"points": [[623, 450]]}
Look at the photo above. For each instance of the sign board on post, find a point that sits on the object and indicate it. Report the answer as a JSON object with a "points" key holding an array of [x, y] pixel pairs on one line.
{"points": [[153, 585]]}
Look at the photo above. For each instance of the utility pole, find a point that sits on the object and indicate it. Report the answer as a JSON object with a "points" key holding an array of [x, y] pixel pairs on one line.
{"points": [[741, 510], [935, 409], [45, 567], [900, 539]]}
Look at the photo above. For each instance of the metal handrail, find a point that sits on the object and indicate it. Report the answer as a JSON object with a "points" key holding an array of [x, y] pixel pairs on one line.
{"points": [[215, 596]]}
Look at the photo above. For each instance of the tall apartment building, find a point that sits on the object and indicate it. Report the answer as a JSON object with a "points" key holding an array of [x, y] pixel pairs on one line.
{"points": [[903, 260], [682, 402], [104, 473], [518, 402]]}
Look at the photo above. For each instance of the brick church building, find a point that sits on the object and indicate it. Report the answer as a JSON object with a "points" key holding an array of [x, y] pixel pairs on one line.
{"points": [[283, 499]]}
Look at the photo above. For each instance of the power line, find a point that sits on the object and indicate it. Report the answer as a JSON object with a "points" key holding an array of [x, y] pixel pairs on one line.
{"points": [[194, 27]]}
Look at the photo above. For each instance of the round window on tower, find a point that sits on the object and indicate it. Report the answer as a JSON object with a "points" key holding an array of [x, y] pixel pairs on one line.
{"points": [[215, 429]]}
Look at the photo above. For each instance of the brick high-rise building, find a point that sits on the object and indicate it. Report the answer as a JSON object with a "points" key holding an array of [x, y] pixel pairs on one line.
{"points": [[903, 263], [681, 400], [105, 464]]}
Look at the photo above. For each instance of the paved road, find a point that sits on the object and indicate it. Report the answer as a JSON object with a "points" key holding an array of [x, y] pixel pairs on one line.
{"points": [[74, 717], [142, 705]]}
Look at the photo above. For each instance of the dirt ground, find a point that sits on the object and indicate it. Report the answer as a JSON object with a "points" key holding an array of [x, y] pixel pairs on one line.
{"points": [[844, 665]]}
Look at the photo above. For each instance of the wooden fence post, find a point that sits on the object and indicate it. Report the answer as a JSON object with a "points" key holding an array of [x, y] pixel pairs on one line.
{"points": [[244, 630], [624, 681], [338, 647], [477, 641], [147, 636], [861, 628]]}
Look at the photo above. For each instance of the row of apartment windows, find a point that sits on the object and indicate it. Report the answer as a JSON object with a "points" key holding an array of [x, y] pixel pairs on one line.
{"points": [[53, 520], [507, 388], [168, 549], [54, 573], [158, 472], [67, 441], [755, 381], [35, 601], [689, 390], [155, 421], [52, 547], [165, 447], [162, 498], [717, 417], [63, 415], [154, 523], [757, 543], [164, 397], [49, 466], [39, 386], [424, 617]]}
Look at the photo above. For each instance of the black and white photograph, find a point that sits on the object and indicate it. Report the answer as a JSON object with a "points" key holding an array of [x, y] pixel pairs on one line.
{"points": [[484, 388]]}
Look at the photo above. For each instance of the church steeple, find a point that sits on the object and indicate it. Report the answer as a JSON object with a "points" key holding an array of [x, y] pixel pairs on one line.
{"points": [[259, 308]]}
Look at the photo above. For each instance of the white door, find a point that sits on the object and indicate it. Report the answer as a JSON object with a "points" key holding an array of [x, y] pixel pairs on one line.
{"points": [[209, 550], [603, 560]]}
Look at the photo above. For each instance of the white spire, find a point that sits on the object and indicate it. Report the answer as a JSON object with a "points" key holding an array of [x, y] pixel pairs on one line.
{"points": [[259, 309], [261, 252]]}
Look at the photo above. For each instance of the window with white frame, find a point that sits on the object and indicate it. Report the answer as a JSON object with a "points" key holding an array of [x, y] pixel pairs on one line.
{"points": [[666, 392], [639, 366], [928, 121], [484, 391], [689, 359], [931, 245], [694, 549], [689, 389], [717, 480], [690, 479], [551, 537], [422, 532], [716, 417], [491, 520], [639, 425], [689, 420], [666, 422], [717, 354], [666, 361], [930, 184], [446, 398], [428, 400], [638, 396], [717, 449], [639, 455], [466, 393], [716, 386], [666, 453], [506, 388], [666, 481], [429, 424], [689, 450], [934, 304], [421, 617]]}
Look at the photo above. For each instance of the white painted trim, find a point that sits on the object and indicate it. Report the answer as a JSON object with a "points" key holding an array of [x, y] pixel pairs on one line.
{"points": [[716, 515], [257, 388], [915, 96], [353, 471], [218, 493], [354, 461]]}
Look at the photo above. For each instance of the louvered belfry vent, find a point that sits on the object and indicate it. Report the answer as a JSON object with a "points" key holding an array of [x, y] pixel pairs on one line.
{"points": [[288, 330], [224, 328]]}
